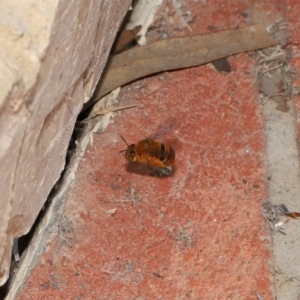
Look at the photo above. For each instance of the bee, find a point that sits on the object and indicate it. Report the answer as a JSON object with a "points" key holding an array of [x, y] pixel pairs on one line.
{"points": [[156, 155]]}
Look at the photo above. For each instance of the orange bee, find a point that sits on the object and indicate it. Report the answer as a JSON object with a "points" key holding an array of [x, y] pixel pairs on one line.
{"points": [[159, 156]]}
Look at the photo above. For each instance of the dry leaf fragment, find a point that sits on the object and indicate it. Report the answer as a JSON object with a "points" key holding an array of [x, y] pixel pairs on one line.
{"points": [[125, 39], [178, 53], [284, 210], [222, 64]]}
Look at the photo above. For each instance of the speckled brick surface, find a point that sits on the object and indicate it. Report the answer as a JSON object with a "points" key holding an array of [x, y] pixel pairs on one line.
{"points": [[198, 234]]}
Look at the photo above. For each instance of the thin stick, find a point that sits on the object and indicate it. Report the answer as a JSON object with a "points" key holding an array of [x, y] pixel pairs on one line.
{"points": [[104, 111]]}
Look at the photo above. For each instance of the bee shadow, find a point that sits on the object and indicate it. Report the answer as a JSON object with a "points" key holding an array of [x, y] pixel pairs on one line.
{"points": [[146, 170]]}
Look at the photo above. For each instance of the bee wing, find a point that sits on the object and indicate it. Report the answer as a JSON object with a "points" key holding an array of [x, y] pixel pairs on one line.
{"points": [[163, 130]]}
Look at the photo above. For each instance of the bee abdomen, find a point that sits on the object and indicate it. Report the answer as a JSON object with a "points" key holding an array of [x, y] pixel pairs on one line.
{"points": [[167, 154]]}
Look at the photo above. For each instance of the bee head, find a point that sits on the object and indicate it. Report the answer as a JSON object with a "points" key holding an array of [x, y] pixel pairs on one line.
{"points": [[129, 152]]}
